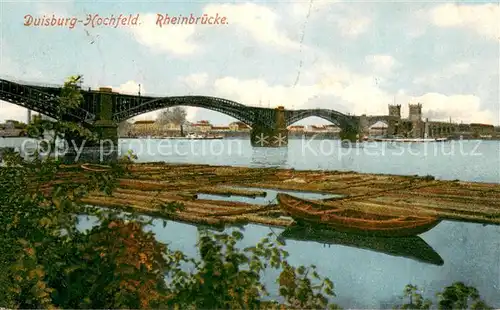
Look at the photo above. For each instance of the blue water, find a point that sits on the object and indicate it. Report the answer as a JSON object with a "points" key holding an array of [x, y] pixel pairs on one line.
{"points": [[268, 199], [464, 160], [362, 278]]}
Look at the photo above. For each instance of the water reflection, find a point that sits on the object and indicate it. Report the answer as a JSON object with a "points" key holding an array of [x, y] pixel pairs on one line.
{"points": [[269, 157], [410, 247], [269, 198]]}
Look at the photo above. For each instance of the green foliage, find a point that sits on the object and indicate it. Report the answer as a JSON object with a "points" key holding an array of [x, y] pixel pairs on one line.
{"points": [[416, 301], [128, 158], [229, 278], [455, 296], [70, 97], [349, 133], [460, 296], [46, 262]]}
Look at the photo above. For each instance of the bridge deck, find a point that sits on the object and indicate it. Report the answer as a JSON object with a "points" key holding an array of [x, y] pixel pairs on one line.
{"points": [[387, 194]]}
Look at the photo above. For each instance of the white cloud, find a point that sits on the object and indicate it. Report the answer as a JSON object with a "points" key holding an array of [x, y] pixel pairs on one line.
{"points": [[383, 64], [11, 111], [353, 27], [130, 87], [195, 80], [484, 19], [333, 85], [338, 88], [257, 92], [175, 39], [12, 71], [447, 73], [258, 20], [465, 108]]}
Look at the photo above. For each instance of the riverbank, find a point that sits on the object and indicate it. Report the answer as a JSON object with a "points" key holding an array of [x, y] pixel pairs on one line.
{"points": [[149, 186]]}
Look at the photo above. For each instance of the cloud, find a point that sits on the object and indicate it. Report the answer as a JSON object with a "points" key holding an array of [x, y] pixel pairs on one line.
{"points": [[336, 87], [174, 39], [461, 108], [195, 81], [381, 63], [353, 27], [12, 111], [258, 20], [257, 92], [483, 19], [451, 71], [11, 71], [130, 87]]}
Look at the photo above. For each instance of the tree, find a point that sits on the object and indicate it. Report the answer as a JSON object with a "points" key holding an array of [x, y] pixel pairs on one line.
{"points": [[460, 296], [455, 296], [176, 116], [47, 262], [124, 128], [416, 301]]}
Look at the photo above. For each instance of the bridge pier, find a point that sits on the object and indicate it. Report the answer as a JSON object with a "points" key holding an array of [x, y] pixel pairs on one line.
{"points": [[105, 149], [268, 137], [265, 136]]}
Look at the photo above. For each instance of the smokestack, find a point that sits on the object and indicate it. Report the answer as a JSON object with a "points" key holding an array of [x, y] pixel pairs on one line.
{"points": [[29, 117]]}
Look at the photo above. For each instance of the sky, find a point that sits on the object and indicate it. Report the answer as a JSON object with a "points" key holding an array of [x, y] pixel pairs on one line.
{"points": [[353, 57]]}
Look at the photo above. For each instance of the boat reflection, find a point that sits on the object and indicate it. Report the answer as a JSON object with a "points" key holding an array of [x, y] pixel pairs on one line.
{"points": [[410, 247]]}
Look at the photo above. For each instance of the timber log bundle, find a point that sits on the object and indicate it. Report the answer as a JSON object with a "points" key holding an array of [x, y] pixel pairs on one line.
{"points": [[149, 186]]}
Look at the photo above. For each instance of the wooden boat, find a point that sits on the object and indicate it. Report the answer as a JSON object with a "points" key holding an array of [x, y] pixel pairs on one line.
{"points": [[412, 247], [354, 221]]}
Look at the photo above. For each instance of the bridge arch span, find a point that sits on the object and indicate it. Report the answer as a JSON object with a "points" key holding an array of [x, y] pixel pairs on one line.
{"points": [[227, 107], [332, 116]]}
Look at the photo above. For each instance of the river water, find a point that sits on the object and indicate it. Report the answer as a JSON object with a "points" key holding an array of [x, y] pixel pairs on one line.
{"points": [[364, 277]]}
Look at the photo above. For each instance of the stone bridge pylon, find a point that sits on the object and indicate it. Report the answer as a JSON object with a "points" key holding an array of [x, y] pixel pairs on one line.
{"points": [[393, 121]]}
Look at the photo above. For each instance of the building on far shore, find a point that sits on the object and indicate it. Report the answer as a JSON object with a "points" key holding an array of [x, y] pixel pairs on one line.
{"points": [[296, 128], [144, 128], [220, 129], [239, 126], [378, 129], [482, 130]]}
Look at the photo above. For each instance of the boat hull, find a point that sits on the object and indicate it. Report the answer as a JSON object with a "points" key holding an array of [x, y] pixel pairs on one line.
{"points": [[320, 215], [410, 140]]}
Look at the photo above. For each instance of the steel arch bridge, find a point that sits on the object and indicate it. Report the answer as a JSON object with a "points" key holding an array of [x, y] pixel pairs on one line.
{"points": [[126, 108], [340, 119], [45, 100]]}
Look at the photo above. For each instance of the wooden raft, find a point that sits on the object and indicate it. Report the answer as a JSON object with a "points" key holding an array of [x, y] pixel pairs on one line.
{"points": [[149, 185]]}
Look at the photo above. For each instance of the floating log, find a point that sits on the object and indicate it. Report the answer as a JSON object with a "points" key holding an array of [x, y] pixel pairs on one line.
{"points": [[388, 194]]}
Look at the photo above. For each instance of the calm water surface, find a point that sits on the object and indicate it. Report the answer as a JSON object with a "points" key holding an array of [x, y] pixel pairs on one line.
{"points": [[464, 160], [362, 278]]}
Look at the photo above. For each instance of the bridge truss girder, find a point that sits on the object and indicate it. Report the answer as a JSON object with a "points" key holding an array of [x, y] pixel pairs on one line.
{"points": [[126, 107], [39, 101], [340, 119]]}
